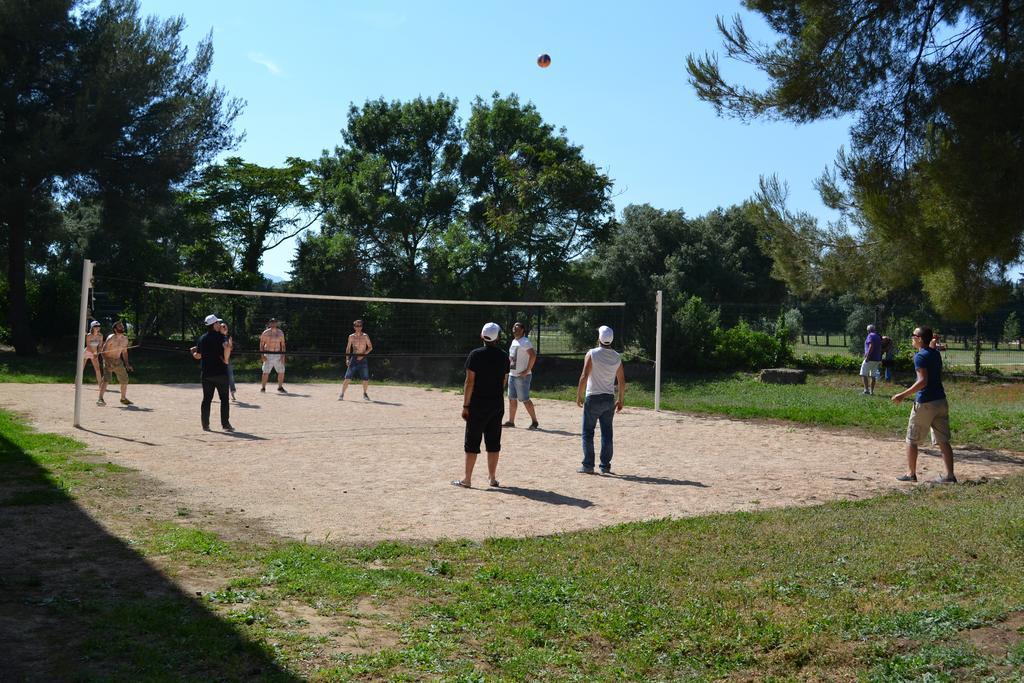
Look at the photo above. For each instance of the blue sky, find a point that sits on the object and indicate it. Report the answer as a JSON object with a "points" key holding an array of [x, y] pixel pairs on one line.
{"points": [[617, 84]]}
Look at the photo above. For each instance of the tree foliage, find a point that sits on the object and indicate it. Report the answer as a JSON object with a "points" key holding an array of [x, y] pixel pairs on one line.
{"points": [[934, 177], [256, 208], [101, 104]]}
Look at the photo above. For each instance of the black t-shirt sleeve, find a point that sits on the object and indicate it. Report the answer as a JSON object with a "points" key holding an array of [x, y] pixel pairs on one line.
{"points": [[473, 361]]}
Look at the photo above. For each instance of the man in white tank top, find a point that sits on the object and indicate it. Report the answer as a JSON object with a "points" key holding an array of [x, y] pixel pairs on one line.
{"points": [[602, 369]]}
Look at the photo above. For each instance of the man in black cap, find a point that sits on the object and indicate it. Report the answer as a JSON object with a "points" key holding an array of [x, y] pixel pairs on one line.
{"points": [[213, 356]]}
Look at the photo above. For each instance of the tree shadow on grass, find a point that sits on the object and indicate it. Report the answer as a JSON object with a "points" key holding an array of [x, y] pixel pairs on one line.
{"points": [[542, 496], [77, 603]]}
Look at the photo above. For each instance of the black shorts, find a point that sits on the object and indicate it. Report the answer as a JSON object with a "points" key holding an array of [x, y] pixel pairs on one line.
{"points": [[485, 421]]}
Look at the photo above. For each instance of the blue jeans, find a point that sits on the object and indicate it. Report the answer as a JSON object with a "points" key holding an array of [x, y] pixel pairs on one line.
{"points": [[598, 408]]}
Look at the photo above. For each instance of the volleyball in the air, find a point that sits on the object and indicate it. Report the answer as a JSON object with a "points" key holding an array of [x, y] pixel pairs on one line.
{"points": [[544, 61]]}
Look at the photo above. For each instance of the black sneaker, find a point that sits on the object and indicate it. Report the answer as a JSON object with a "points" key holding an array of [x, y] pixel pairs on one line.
{"points": [[907, 477], [263, 390], [227, 428], [585, 470], [281, 390], [534, 426], [606, 470], [366, 397], [206, 428], [944, 480], [508, 424]]}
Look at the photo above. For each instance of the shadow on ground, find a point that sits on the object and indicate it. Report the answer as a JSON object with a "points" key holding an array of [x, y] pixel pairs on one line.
{"points": [[542, 496], [77, 603]]}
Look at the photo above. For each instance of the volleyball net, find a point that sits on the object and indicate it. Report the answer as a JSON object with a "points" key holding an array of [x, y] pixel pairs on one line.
{"points": [[169, 318]]}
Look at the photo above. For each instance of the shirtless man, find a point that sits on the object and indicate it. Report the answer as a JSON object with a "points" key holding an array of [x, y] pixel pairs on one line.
{"points": [[273, 349], [358, 347], [115, 362]]}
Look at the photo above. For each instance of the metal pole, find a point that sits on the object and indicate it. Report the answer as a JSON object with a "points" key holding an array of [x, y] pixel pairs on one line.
{"points": [[83, 309], [657, 356]]}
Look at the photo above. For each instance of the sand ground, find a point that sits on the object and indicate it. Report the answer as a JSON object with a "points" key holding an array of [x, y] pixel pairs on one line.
{"points": [[305, 465]]}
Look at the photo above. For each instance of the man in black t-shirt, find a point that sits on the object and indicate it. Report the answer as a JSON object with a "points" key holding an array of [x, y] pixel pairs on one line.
{"points": [[213, 357], [483, 403]]}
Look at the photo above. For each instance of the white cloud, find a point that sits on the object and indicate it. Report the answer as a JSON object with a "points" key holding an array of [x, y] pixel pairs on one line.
{"points": [[264, 61]]}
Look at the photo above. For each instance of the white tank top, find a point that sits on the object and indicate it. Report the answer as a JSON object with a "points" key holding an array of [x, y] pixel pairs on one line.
{"points": [[604, 363]]}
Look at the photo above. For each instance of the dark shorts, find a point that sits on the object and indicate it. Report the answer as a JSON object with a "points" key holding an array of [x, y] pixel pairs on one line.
{"points": [[485, 422], [358, 369]]}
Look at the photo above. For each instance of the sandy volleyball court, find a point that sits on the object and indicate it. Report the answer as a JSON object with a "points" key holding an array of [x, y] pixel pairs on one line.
{"points": [[306, 465]]}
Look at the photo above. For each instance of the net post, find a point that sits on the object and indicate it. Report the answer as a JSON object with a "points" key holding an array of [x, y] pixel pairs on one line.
{"points": [[657, 353], [83, 310]]}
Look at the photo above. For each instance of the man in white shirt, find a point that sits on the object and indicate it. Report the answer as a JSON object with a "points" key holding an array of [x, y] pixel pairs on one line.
{"points": [[602, 369], [521, 357]]}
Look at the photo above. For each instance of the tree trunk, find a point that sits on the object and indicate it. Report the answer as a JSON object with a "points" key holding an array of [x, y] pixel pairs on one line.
{"points": [[21, 329], [977, 345]]}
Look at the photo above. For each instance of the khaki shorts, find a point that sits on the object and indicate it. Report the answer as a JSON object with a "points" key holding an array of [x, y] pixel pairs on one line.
{"points": [[933, 415], [114, 367]]}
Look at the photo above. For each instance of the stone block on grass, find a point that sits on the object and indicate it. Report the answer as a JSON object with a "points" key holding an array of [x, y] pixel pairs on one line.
{"points": [[783, 376]]}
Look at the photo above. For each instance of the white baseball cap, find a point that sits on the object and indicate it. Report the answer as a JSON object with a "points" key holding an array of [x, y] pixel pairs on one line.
{"points": [[94, 323], [210, 319], [490, 332], [605, 334]]}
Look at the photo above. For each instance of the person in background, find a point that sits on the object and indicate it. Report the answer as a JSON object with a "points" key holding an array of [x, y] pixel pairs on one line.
{"points": [[888, 357], [115, 363], [93, 342], [229, 346], [872, 359], [521, 357]]}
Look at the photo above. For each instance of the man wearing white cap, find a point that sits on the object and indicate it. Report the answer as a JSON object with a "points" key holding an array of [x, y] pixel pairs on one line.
{"points": [[483, 403], [213, 355], [602, 369]]}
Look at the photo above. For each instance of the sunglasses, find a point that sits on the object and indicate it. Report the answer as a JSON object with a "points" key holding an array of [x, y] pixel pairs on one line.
{"points": [[916, 335]]}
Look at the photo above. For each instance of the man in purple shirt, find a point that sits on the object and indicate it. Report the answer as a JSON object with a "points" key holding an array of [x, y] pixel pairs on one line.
{"points": [[872, 359]]}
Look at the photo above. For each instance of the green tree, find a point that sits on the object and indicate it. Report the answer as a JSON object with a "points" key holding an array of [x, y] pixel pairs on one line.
{"points": [[394, 185], [717, 257], [535, 204], [1011, 328], [256, 208], [935, 172], [967, 294], [95, 102]]}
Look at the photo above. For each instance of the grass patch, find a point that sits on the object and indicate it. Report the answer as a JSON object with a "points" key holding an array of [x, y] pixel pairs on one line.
{"points": [[982, 414], [878, 589]]}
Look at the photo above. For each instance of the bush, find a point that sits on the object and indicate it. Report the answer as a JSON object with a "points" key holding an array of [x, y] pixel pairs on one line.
{"points": [[695, 332], [742, 348], [830, 362]]}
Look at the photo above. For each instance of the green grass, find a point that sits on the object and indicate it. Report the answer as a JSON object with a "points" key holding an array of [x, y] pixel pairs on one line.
{"points": [[982, 414], [877, 590]]}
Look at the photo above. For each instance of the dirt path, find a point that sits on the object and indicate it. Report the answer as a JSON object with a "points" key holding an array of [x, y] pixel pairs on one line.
{"points": [[305, 465]]}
